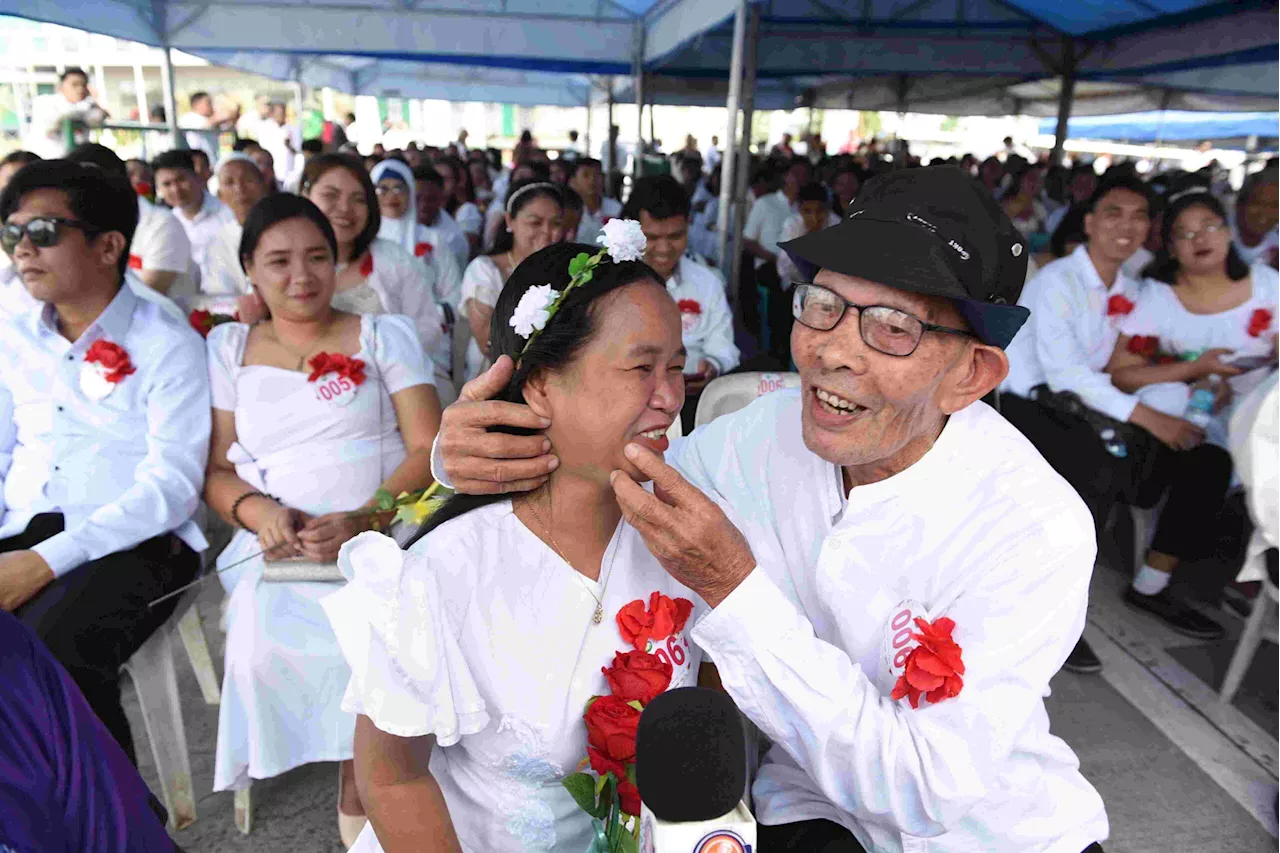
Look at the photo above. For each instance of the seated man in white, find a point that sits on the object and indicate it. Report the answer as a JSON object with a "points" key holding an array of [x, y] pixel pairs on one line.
{"points": [[444, 231], [104, 433], [662, 208], [240, 187], [906, 573], [587, 181], [200, 213]]}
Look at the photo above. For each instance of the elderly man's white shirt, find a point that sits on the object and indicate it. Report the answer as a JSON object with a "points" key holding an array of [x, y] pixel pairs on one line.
{"points": [[222, 274], [592, 224], [1070, 337], [161, 243], [705, 317], [122, 469], [202, 229], [980, 530]]}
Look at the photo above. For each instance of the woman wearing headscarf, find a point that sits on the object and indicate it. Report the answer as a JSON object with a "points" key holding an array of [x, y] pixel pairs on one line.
{"points": [[398, 207]]}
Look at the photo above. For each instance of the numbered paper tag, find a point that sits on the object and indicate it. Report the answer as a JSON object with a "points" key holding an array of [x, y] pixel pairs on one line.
{"points": [[335, 390], [93, 381], [897, 641], [675, 651]]}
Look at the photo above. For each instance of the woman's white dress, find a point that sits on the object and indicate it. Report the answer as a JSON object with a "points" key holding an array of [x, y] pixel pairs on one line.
{"points": [[284, 673], [483, 283], [1183, 335], [398, 284], [483, 636]]}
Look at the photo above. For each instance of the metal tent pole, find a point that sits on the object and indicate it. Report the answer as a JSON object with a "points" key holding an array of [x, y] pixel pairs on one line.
{"points": [[170, 98], [729, 161], [611, 142], [1065, 100], [743, 166]]}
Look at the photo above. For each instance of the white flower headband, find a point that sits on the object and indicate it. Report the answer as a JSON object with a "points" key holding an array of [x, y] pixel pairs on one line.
{"points": [[511, 200], [622, 240]]}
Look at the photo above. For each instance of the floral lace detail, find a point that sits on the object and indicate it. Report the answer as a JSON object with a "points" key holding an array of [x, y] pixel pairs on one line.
{"points": [[524, 772]]}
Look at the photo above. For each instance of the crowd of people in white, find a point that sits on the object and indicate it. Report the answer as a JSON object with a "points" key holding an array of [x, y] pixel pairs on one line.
{"points": [[457, 667]]}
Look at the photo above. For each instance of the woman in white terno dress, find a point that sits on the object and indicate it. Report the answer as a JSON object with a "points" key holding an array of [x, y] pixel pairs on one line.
{"points": [[313, 411], [474, 653]]}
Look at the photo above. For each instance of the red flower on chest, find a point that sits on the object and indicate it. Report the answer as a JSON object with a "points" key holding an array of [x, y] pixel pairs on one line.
{"points": [[1118, 306], [366, 266], [423, 248], [345, 366], [637, 676], [1259, 322], [135, 262], [689, 306], [663, 617], [934, 667], [112, 358]]}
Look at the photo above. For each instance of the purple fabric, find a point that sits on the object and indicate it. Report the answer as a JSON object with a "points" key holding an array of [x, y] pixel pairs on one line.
{"points": [[65, 785]]}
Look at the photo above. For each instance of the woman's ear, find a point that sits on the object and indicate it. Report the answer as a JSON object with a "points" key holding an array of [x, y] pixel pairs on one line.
{"points": [[535, 393]]}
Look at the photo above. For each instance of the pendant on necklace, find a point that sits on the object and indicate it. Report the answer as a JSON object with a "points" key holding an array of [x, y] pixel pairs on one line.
{"points": [[599, 614]]}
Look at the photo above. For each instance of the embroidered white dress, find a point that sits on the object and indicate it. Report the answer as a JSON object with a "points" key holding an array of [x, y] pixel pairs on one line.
{"points": [[284, 672], [483, 636]]}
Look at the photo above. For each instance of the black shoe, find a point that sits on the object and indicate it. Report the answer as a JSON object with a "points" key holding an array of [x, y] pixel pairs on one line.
{"points": [[1176, 613], [1082, 659]]}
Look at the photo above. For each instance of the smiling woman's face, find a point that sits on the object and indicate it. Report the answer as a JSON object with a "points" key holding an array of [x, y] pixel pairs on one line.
{"points": [[341, 199], [1198, 251], [292, 269]]}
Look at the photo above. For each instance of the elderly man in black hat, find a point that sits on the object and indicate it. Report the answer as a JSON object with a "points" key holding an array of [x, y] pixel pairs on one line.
{"points": [[893, 572]]}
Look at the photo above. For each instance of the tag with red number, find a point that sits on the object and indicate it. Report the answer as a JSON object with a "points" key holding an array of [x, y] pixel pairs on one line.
{"points": [[897, 642], [333, 389], [675, 651]]}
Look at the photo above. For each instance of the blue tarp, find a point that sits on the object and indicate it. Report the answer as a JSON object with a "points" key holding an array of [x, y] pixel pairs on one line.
{"points": [[1172, 126]]}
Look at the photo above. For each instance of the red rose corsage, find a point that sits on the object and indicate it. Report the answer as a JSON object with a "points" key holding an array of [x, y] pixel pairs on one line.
{"points": [[366, 266], [204, 321], [1147, 346], [1118, 306], [135, 262], [663, 617], [346, 367], [934, 667], [423, 248], [689, 306], [111, 361], [1259, 322]]}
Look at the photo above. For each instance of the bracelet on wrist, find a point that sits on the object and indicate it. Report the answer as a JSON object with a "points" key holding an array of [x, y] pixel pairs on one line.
{"points": [[235, 508]]}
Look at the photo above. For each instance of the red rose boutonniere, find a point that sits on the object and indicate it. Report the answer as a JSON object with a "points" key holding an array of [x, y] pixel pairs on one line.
{"points": [[689, 306], [1259, 322], [637, 676], [934, 667], [423, 248], [1119, 306], [135, 262], [346, 367], [204, 321], [1147, 346], [366, 266], [663, 617], [106, 365]]}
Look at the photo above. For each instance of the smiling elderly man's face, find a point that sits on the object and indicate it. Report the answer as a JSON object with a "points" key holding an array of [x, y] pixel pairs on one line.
{"points": [[899, 403]]}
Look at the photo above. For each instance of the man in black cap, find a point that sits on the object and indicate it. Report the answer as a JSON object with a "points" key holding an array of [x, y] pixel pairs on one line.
{"points": [[893, 571]]}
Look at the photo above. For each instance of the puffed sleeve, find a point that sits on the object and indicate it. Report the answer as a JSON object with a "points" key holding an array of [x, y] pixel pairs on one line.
{"points": [[408, 674], [226, 349], [482, 282], [398, 352]]}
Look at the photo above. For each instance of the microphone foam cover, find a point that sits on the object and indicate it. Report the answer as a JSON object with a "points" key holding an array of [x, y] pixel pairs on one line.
{"points": [[691, 756]]}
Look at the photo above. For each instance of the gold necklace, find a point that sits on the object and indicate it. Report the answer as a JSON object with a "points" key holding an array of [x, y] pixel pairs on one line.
{"points": [[598, 616], [302, 359]]}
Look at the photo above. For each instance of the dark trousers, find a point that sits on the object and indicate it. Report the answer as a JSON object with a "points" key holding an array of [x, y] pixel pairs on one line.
{"points": [[95, 617], [820, 836], [1194, 482]]}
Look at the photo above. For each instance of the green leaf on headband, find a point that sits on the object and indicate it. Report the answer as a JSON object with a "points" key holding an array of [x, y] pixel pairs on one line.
{"points": [[579, 264]]}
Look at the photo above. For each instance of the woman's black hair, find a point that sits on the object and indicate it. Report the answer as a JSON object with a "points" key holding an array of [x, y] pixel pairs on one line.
{"points": [[461, 178], [1164, 267], [273, 210], [505, 240], [571, 329], [322, 165]]}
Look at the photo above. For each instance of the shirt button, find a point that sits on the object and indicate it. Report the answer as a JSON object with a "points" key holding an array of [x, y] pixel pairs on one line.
{"points": [[59, 408]]}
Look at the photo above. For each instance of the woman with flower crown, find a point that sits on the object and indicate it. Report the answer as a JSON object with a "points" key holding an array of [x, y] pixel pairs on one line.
{"points": [[313, 411], [476, 653]]}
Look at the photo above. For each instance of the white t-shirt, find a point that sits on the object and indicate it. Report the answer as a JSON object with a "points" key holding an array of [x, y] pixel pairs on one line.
{"points": [[161, 243], [222, 274], [981, 531], [199, 141], [45, 136], [791, 229], [483, 636], [764, 223], [202, 229], [705, 318]]}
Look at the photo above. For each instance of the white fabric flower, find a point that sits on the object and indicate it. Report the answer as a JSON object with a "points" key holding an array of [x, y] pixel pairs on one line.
{"points": [[623, 239], [533, 312]]}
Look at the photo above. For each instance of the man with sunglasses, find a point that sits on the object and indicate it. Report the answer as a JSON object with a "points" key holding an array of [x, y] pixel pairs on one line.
{"points": [[894, 573], [104, 433]]}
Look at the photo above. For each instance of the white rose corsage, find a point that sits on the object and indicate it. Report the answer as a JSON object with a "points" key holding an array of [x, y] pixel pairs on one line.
{"points": [[623, 241]]}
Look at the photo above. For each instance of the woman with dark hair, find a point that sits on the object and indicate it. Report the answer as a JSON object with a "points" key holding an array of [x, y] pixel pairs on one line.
{"points": [[475, 652], [1253, 218], [313, 411], [460, 199], [375, 275], [1022, 205], [532, 221]]}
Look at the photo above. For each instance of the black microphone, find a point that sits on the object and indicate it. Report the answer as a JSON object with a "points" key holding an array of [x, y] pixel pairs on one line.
{"points": [[691, 771]]}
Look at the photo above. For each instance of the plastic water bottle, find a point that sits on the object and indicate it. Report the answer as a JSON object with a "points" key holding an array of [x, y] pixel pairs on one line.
{"points": [[1204, 395], [1114, 444]]}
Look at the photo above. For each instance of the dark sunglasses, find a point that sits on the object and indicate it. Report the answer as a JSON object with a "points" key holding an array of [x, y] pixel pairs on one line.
{"points": [[43, 231], [883, 328]]}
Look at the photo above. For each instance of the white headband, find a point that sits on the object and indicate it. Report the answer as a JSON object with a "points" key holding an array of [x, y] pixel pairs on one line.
{"points": [[1197, 190], [511, 200]]}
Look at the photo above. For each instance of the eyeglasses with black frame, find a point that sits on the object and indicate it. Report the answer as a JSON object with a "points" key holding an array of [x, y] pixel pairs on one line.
{"points": [[884, 328], [44, 231]]}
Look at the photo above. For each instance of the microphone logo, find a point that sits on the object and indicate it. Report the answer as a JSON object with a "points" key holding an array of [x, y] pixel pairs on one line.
{"points": [[722, 841]]}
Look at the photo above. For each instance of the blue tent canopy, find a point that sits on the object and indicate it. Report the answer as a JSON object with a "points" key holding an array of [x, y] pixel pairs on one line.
{"points": [[1172, 126]]}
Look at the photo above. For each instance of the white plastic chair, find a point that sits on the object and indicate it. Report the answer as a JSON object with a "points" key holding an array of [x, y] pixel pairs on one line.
{"points": [[156, 683], [736, 391], [1261, 625]]}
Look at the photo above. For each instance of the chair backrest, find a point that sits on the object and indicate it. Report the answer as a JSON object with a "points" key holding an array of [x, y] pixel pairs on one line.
{"points": [[677, 429], [736, 391]]}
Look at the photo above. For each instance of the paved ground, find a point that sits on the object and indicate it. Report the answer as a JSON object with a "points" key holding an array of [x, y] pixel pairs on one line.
{"points": [[1177, 771]]}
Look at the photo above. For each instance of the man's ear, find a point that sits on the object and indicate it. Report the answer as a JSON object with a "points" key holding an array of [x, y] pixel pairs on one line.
{"points": [[111, 246], [535, 393], [978, 372]]}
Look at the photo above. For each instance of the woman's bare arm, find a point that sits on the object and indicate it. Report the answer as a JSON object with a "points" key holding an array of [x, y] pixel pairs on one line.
{"points": [[401, 797]]}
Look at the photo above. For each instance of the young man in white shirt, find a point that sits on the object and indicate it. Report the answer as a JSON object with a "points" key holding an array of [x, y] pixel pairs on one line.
{"points": [[104, 434], [661, 206], [760, 238], [428, 185], [47, 136], [200, 213], [199, 118], [896, 573], [1076, 304], [587, 181]]}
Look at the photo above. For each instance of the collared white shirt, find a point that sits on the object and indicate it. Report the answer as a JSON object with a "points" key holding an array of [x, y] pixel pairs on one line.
{"points": [[122, 469], [592, 224], [1069, 338], [222, 274], [1266, 249], [45, 136], [764, 223], [980, 530], [161, 243], [446, 228], [199, 141], [791, 229], [705, 318], [202, 229]]}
